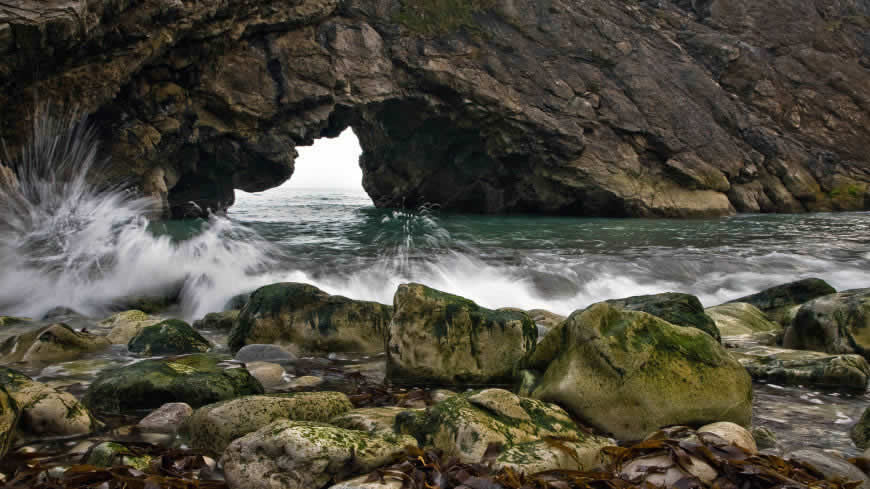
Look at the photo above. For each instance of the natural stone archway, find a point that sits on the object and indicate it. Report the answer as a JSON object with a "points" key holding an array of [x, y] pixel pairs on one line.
{"points": [[630, 108]]}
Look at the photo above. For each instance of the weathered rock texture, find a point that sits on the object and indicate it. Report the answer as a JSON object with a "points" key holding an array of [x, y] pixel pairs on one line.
{"points": [[643, 108]]}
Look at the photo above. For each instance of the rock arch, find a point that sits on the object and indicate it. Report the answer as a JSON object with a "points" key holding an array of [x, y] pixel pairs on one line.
{"points": [[583, 108]]}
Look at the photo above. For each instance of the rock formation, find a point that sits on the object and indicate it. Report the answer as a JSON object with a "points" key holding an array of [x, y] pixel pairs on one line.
{"points": [[630, 108]]}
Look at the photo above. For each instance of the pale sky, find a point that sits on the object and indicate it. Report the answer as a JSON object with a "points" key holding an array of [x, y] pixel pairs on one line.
{"points": [[329, 163]]}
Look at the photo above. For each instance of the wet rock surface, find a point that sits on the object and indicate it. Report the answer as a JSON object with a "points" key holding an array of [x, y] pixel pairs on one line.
{"points": [[195, 379], [675, 308], [664, 108], [629, 373], [304, 318], [170, 337], [440, 338], [835, 323], [797, 367], [780, 302]]}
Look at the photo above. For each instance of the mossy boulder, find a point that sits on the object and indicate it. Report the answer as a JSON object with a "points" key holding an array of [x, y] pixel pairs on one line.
{"points": [[53, 343], [740, 318], [170, 337], [465, 425], [440, 338], [629, 373], [8, 420], [777, 301], [800, 367], [860, 433], [110, 454], [373, 419], [218, 321], [194, 379], [213, 427], [836, 323], [306, 455], [304, 318], [126, 325], [45, 411], [675, 308]]}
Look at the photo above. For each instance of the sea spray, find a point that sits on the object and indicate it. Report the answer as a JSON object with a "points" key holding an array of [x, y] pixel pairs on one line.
{"points": [[66, 241]]}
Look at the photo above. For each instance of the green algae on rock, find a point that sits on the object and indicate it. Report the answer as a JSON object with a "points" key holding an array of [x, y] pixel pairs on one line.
{"points": [[374, 419], [305, 455], [777, 302], [44, 410], [126, 325], [801, 367], [170, 337], [194, 379], [673, 307], [465, 425], [111, 454], [835, 323], [440, 338], [53, 343], [304, 318], [629, 373], [219, 321], [213, 427]]}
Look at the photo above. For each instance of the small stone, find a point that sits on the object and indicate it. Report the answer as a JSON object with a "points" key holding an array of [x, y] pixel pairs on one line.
{"points": [[170, 337], [305, 382], [663, 471], [764, 438], [732, 433], [167, 418], [219, 321], [269, 374], [831, 466], [109, 454], [378, 419]]}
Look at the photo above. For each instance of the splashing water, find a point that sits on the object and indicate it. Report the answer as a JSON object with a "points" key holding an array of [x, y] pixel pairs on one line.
{"points": [[67, 242]]}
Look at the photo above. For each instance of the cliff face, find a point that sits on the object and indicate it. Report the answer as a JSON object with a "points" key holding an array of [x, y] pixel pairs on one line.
{"points": [[584, 107]]}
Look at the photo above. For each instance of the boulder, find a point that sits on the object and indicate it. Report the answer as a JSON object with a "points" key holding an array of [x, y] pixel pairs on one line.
{"points": [[830, 466], [53, 343], [218, 321], [127, 324], [628, 373], [465, 425], [440, 338], [194, 379], [675, 308], [170, 337], [740, 318], [373, 420], [545, 318], [213, 427], [800, 367], [732, 433], [168, 418], [45, 411], [777, 302], [269, 374], [264, 353], [8, 420], [860, 433], [304, 318], [835, 323], [306, 455]]}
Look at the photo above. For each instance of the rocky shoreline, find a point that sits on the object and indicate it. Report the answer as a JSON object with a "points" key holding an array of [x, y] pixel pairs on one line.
{"points": [[479, 396]]}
